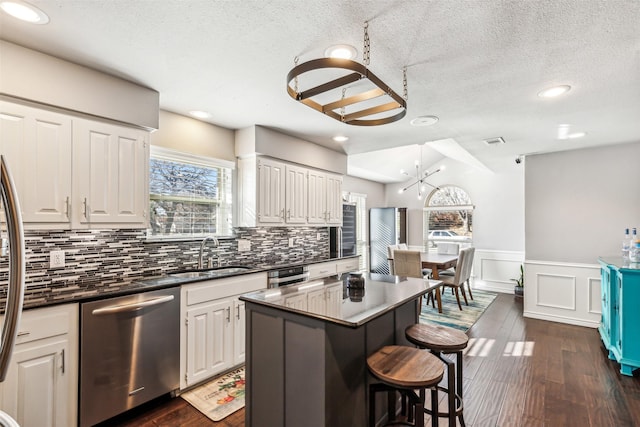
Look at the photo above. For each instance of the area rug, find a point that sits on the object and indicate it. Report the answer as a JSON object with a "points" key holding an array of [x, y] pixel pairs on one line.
{"points": [[451, 314], [219, 397]]}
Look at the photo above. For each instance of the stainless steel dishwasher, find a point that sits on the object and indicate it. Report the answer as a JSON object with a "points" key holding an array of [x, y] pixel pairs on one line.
{"points": [[129, 352]]}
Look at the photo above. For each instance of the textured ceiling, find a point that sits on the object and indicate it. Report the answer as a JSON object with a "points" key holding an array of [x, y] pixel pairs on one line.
{"points": [[478, 65]]}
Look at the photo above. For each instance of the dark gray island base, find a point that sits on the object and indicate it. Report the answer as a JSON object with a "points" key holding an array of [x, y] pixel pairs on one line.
{"points": [[307, 347]]}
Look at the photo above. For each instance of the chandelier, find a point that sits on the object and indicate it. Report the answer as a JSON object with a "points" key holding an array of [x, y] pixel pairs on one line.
{"points": [[420, 177], [373, 102]]}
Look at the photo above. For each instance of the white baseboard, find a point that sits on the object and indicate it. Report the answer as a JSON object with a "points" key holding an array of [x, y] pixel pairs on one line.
{"points": [[561, 319]]}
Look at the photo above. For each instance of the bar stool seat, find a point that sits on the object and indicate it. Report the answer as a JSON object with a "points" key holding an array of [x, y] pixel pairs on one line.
{"points": [[440, 339], [404, 369]]}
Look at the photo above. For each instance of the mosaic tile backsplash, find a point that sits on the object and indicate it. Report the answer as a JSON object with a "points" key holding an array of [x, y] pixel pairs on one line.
{"points": [[102, 258]]}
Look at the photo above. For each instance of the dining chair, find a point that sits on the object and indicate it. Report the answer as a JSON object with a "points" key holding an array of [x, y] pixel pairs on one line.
{"points": [[463, 272], [390, 250], [409, 263], [470, 256]]}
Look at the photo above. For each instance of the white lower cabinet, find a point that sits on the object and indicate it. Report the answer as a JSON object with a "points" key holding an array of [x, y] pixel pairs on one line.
{"points": [[348, 265], [209, 340], [212, 339], [41, 387], [322, 269], [239, 326]]}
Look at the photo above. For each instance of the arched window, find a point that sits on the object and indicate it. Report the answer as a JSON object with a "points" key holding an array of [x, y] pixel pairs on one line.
{"points": [[447, 217]]}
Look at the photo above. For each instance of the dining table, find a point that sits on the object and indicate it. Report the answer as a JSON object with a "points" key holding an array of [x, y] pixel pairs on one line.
{"points": [[436, 262]]}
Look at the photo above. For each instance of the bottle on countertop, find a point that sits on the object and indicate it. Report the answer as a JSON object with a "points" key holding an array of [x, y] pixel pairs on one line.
{"points": [[634, 252], [634, 248], [626, 244]]}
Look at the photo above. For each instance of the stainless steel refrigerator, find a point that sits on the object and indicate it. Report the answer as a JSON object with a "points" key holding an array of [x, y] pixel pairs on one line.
{"points": [[15, 290], [387, 226]]}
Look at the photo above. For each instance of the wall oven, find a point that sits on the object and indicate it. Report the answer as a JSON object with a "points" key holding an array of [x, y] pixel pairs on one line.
{"points": [[287, 276]]}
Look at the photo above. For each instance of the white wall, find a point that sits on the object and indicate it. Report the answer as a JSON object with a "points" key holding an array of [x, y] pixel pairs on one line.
{"points": [[498, 218]]}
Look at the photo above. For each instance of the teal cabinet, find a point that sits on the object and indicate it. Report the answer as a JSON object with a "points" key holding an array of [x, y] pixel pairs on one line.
{"points": [[620, 315]]}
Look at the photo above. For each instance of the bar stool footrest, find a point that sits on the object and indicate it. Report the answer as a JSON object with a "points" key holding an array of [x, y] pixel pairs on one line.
{"points": [[459, 405]]}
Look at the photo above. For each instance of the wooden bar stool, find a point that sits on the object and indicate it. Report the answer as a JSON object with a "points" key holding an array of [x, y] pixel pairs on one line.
{"points": [[440, 339], [404, 369]]}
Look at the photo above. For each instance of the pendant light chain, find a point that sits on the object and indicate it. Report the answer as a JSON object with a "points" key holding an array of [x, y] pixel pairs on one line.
{"points": [[405, 90], [366, 51], [295, 80], [342, 109]]}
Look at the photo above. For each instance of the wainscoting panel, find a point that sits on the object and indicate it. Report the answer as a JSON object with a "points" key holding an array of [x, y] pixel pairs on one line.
{"points": [[556, 291], [595, 295], [562, 292], [494, 270]]}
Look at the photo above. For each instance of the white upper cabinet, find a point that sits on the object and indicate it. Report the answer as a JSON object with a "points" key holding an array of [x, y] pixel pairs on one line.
{"points": [[114, 162], [272, 192], [72, 172], [325, 198], [334, 199], [317, 197], [37, 147], [296, 195]]}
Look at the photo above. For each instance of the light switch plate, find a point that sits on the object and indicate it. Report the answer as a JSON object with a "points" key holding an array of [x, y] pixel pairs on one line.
{"points": [[56, 259], [290, 242]]}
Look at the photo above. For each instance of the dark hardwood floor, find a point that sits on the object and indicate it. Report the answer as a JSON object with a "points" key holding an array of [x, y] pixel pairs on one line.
{"points": [[518, 372]]}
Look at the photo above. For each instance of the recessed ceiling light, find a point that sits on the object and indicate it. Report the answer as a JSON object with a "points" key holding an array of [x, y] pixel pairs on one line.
{"points": [[24, 11], [554, 91], [340, 138], [424, 121], [200, 114], [342, 51]]}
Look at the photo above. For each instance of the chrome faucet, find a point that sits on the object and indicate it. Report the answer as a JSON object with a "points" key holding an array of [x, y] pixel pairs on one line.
{"points": [[204, 241]]}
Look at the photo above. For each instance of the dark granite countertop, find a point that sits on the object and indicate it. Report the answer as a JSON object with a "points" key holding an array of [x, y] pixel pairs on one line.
{"points": [[135, 285], [381, 294]]}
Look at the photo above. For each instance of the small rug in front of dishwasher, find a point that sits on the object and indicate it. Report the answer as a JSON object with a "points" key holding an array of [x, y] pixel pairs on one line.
{"points": [[219, 397]]}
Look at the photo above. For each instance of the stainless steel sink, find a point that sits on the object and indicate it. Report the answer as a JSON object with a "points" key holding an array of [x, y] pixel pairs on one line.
{"points": [[214, 272]]}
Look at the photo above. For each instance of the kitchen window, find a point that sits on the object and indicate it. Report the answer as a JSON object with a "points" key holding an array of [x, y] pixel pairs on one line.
{"points": [[189, 196]]}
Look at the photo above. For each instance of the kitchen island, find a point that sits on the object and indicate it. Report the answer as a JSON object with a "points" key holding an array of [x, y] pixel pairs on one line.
{"points": [[307, 347]]}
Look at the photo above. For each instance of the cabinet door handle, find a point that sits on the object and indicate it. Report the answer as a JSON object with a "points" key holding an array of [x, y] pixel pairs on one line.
{"points": [[84, 203], [228, 314], [62, 356], [23, 334], [238, 312], [66, 207]]}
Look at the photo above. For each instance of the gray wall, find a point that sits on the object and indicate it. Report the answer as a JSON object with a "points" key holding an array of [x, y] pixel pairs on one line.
{"points": [[193, 136], [578, 202], [35, 76], [373, 190]]}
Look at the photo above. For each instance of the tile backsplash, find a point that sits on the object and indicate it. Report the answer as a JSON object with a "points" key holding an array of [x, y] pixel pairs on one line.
{"points": [[97, 258]]}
